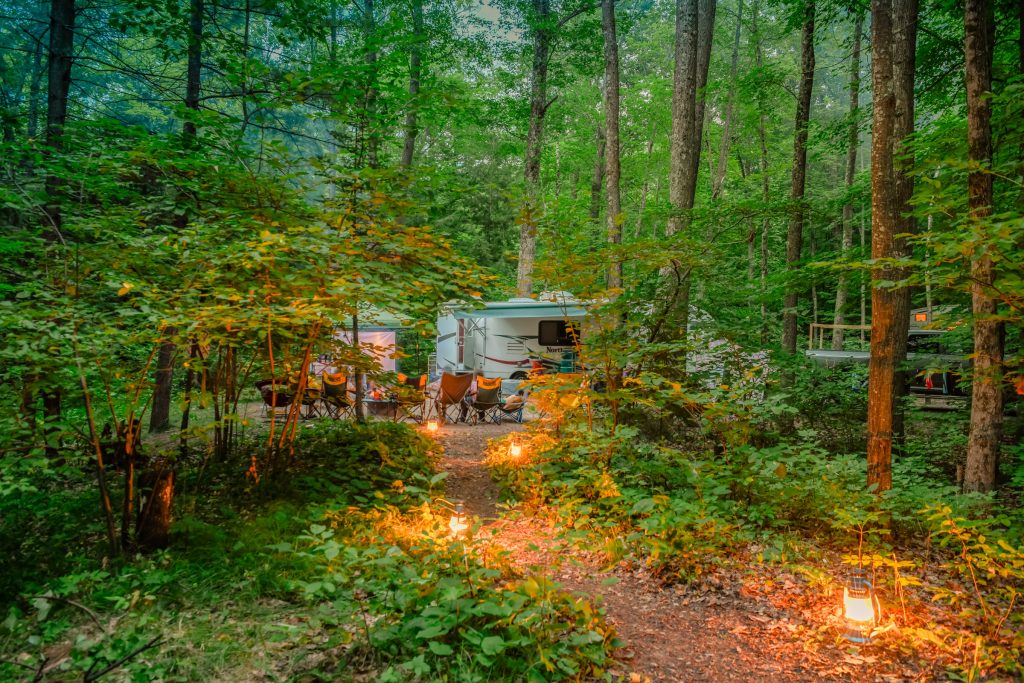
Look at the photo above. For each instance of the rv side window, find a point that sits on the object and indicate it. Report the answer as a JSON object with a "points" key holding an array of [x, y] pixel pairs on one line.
{"points": [[557, 333]]}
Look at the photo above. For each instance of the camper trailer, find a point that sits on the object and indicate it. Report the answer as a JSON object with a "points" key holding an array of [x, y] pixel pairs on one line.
{"points": [[508, 339]]}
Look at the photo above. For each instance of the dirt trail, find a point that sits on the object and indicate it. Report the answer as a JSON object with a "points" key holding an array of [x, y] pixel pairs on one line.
{"points": [[708, 632]]}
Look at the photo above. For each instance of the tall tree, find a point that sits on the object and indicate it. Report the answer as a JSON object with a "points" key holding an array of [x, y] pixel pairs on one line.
{"points": [[613, 218], [852, 142], [986, 393], [160, 413], [794, 237], [893, 45], [415, 68], [597, 176], [544, 25], [718, 183]]}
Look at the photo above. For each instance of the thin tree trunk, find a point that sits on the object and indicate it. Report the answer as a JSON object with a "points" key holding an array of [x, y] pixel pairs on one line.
{"points": [[723, 149], [863, 287], [986, 390], [765, 182], [705, 40], [160, 412], [159, 416], [33, 89], [530, 215], [597, 177], [358, 374], [370, 58], [613, 212], [60, 58], [645, 188], [794, 237], [852, 142], [814, 284], [415, 66], [892, 49]]}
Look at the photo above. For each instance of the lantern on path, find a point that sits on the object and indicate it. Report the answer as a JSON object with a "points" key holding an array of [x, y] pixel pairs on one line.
{"points": [[459, 522], [433, 426], [515, 448], [860, 608]]}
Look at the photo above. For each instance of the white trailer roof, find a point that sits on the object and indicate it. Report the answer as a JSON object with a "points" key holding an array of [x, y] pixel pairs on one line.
{"points": [[523, 309]]}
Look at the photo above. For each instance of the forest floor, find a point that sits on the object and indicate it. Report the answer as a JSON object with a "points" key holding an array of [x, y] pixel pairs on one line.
{"points": [[762, 625]]}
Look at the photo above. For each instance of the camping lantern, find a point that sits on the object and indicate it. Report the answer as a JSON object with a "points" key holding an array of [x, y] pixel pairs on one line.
{"points": [[860, 609], [515, 448], [459, 522], [432, 426]]}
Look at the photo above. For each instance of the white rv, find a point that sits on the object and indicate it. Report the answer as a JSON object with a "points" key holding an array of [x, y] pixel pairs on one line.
{"points": [[509, 338]]}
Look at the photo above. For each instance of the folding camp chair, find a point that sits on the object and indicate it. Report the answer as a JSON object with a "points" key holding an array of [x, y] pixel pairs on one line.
{"points": [[274, 394], [487, 399], [511, 408], [411, 398], [335, 395], [451, 394], [311, 397]]}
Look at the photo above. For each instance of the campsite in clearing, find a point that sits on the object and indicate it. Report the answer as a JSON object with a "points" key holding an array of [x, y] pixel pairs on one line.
{"points": [[472, 341]]}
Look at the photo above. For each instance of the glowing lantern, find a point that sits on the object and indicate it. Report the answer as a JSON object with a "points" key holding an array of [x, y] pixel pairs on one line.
{"points": [[433, 426], [515, 449], [459, 522], [860, 609]]}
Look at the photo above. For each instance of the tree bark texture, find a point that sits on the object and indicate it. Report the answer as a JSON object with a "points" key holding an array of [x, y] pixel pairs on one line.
{"points": [[160, 412], [370, 132], [60, 60], [705, 40], [152, 532], [530, 215], [685, 152], [415, 69], [718, 183], [597, 176], [794, 236], [193, 73], [986, 391], [893, 41], [852, 142], [613, 213]]}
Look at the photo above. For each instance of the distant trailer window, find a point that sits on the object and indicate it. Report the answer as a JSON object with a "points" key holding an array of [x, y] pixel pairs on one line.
{"points": [[557, 333]]}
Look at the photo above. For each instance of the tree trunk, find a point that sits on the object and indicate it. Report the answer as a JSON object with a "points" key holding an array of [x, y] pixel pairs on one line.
{"points": [[415, 59], [193, 74], [33, 89], [160, 412], [597, 177], [705, 40], [645, 188], [530, 215], [723, 149], [159, 416], [986, 390], [765, 183], [613, 213], [794, 237], [358, 374], [370, 133], [893, 42], [684, 104], [852, 142], [61, 57], [156, 488]]}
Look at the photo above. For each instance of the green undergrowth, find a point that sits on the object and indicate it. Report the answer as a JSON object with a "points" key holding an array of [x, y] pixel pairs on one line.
{"points": [[689, 512], [338, 571]]}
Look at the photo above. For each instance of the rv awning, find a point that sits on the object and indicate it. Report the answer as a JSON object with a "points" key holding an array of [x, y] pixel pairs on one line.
{"points": [[552, 311]]}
